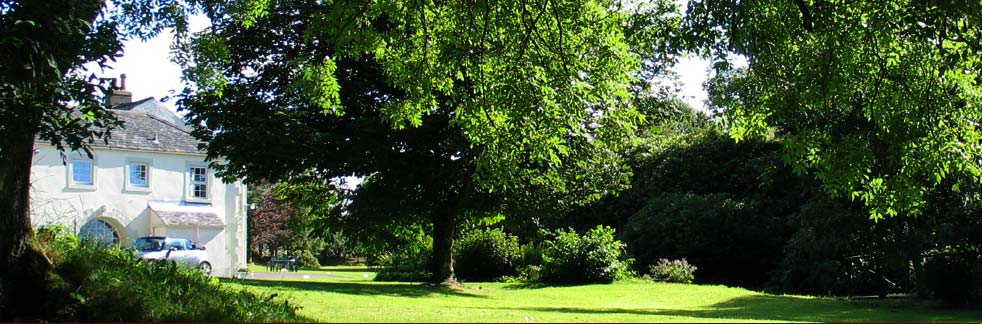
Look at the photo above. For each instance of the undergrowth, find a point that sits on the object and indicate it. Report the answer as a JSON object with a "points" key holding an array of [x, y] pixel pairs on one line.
{"points": [[91, 283]]}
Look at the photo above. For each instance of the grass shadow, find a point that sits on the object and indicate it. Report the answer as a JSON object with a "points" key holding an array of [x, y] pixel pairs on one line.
{"points": [[352, 270], [789, 308], [353, 288], [534, 285]]}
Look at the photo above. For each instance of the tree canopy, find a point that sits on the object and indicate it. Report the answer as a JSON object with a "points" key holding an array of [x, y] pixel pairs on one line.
{"points": [[443, 107], [879, 99]]}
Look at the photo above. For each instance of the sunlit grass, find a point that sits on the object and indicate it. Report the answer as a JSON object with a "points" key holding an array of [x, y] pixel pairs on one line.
{"points": [[348, 296]]}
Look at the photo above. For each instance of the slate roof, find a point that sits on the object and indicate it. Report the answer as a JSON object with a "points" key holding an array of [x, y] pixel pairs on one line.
{"points": [[130, 105], [154, 107], [149, 126], [181, 214], [149, 132]]}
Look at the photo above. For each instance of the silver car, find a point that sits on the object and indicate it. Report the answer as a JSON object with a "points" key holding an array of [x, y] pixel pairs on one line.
{"points": [[177, 250]]}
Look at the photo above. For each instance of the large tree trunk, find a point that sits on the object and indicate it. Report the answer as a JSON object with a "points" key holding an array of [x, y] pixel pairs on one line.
{"points": [[445, 227], [443, 233], [44, 51], [22, 269]]}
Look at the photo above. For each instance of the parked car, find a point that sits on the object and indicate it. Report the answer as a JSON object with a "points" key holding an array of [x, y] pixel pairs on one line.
{"points": [[177, 250]]}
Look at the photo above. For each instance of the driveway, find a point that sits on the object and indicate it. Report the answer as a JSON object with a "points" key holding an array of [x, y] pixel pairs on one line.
{"points": [[285, 275]]}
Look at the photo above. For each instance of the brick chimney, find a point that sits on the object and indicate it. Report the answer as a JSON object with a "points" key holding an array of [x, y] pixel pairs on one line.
{"points": [[120, 95]]}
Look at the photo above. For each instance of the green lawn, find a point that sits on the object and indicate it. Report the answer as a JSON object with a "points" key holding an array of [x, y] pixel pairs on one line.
{"points": [[351, 297]]}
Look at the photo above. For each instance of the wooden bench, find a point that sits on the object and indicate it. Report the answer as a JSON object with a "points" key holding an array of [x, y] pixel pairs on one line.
{"points": [[287, 262]]}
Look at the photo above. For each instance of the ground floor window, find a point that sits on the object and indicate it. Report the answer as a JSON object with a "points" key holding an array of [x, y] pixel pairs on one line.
{"points": [[99, 231]]}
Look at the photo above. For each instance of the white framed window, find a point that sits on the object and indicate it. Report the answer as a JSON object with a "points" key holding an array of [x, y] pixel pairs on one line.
{"points": [[81, 173], [198, 184], [138, 175]]}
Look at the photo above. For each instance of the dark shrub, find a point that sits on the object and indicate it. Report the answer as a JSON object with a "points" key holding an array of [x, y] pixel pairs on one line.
{"points": [[595, 257], [955, 279], [531, 254], [338, 250], [731, 239], [485, 255], [703, 196], [412, 263], [837, 250]]}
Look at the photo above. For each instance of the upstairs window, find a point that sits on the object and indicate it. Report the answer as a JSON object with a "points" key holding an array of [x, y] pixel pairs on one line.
{"points": [[138, 176], [198, 183], [81, 174]]}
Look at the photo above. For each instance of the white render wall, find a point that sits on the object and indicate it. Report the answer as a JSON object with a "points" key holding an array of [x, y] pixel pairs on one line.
{"points": [[53, 201]]}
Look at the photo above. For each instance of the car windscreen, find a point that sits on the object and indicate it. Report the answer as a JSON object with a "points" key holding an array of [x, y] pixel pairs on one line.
{"points": [[149, 244]]}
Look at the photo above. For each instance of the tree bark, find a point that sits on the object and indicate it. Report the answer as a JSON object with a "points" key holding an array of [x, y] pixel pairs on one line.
{"points": [[443, 233], [22, 269], [45, 49]]}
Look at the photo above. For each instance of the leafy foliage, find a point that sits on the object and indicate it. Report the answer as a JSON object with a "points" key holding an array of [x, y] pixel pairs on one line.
{"points": [[48, 94], [951, 238], [338, 249], [879, 100], [834, 250], [486, 255], [955, 279], [267, 221], [307, 260], [705, 197], [595, 257], [412, 262], [730, 238], [669, 125], [95, 284], [449, 110]]}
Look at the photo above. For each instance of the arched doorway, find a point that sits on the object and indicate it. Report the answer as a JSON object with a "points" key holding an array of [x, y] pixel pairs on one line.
{"points": [[99, 231]]}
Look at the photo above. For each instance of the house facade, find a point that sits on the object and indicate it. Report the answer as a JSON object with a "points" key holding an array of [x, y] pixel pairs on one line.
{"points": [[149, 179]]}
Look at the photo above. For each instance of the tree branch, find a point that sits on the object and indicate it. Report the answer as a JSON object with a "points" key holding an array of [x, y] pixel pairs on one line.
{"points": [[806, 16]]}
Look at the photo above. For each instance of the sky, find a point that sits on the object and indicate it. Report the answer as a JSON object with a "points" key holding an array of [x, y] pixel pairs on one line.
{"points": [[150, 73]]}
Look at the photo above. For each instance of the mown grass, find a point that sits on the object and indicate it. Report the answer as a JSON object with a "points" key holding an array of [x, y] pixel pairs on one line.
{"points": [[348, 296]]}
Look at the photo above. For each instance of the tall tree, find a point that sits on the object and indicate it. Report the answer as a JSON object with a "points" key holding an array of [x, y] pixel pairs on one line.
{"points": [[450, 110], [41, 42], [880, 99], [46, 94], [267, 220]]}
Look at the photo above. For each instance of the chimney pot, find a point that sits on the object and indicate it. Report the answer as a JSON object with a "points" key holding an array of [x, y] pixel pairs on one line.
{"points": [[119, 95]]}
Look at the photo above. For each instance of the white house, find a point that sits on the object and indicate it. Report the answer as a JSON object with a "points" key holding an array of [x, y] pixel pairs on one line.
{"points": [[149, 179]]}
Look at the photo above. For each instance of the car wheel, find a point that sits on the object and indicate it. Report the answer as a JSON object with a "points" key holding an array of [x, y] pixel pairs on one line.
{"points": [[205, 268]]}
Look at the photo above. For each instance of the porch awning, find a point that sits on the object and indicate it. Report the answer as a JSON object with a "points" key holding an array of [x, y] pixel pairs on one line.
{"points": [[184, 214]]}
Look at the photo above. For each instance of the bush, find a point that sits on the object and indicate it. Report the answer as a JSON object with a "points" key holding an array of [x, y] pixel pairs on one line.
{"points": [[307, 260], [531, 254], [733, 240], [836, 250], [90, 283], [677, 271], [338, 250], [486, 255], [595, 257], [413, 262], [955, 279]]}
